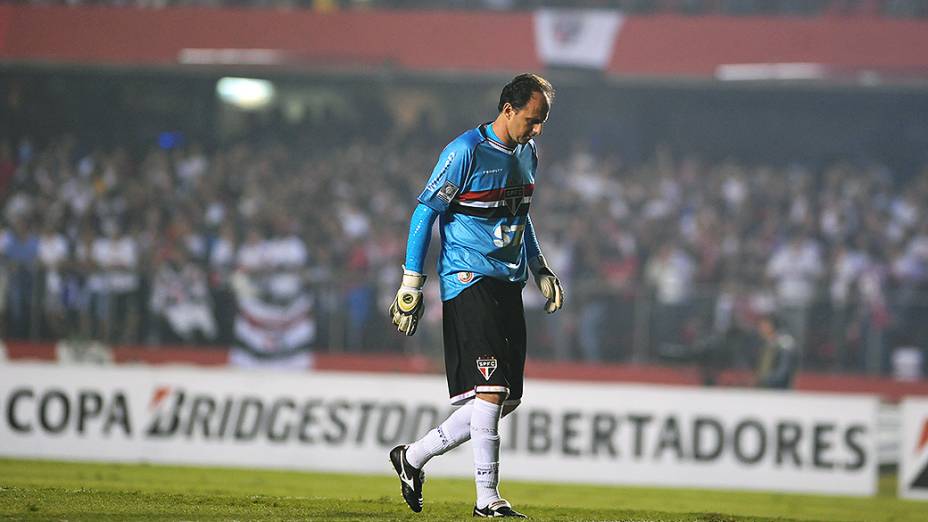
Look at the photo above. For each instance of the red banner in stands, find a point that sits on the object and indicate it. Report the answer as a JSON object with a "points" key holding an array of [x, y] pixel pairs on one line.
{"points": [[424, 40], [469, 41], [6, 14], [698, 46]]}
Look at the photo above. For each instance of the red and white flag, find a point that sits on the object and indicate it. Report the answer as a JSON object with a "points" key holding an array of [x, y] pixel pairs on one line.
{"points": [[576, 37]]}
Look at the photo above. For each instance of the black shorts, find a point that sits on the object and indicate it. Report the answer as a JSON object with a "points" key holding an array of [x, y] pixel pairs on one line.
{"points": [[484, 331]]}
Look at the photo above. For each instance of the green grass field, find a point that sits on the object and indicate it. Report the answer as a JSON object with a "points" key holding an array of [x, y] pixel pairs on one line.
{"points": [[42, 490]]}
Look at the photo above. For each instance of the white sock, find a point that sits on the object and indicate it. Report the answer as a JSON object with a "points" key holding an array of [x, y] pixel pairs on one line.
{"points": [[484, 434], [447, 436]]}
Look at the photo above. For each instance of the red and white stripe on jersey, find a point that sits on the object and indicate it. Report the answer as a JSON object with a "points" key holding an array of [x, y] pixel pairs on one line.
{"points": [[493, 198]]}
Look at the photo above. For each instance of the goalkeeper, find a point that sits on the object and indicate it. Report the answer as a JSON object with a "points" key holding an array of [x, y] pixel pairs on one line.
{"points": [[480, 191]]}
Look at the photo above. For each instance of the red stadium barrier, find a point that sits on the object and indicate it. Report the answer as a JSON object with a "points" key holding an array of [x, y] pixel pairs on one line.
{"points": [[674, 45], [887, 388], [409, 40], [447, 40]]}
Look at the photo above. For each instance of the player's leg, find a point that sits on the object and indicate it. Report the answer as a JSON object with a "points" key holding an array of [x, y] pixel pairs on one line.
{"points": [[408, 460], [512, 364], [475, 349], [509, 349], [473, 333], [454, 431], [484, 435], [486, 443]]}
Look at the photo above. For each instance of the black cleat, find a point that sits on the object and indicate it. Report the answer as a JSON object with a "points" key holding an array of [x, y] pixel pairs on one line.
{"points": [[411, 478], [500, 508]]}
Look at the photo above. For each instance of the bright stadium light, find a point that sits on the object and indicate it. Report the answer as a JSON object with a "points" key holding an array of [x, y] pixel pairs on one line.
{"points": [[245, 93]]}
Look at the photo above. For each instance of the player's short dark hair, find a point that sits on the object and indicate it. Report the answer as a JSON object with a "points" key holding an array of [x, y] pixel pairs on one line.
{"points": [[519, 91]]}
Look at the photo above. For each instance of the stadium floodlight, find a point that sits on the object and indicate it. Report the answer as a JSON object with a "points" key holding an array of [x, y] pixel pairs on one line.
{"points": [[245, 93]]}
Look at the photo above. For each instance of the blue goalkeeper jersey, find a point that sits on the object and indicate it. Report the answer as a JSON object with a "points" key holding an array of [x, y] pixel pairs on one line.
{"points": [[482, 191]]}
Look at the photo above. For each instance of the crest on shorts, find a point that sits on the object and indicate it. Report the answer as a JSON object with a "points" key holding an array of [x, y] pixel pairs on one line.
{"points": [[512, 196], [486, 365], [465, 277]]}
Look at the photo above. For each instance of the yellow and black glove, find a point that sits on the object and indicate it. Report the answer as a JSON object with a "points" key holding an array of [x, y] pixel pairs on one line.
{"points": [[548, 283], [408, 306]]}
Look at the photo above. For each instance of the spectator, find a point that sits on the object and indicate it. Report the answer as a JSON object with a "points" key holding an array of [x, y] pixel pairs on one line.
{"points": [[20, 251], [779, 360], [53, 253], [180, 300], [848, 263], [274, 324], [670, 272], [795, 269], [115, 257], [876, 316], [221, 269]]}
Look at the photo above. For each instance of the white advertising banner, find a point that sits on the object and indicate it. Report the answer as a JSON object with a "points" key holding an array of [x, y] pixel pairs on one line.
{"points": [[563, 432], [576, 37], [913, 458]]}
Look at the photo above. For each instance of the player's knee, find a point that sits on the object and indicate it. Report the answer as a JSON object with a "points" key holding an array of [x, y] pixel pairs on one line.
{"points": [[495, 398]]}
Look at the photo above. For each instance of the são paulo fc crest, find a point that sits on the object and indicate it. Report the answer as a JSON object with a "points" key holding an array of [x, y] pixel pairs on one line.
{"points": [[486, 365], [512, 196]]}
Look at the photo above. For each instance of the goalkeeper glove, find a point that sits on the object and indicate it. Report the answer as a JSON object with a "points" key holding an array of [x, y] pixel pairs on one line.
{"points": [[407, 307], [548, 283]]}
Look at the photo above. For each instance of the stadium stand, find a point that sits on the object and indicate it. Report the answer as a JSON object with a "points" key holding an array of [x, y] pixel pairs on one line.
{"points": [[790, 8], [101, 244], [734, 195], [119, 229]]}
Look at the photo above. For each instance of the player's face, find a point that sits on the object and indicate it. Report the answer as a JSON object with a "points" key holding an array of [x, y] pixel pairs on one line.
{"points": [[526, 123]]}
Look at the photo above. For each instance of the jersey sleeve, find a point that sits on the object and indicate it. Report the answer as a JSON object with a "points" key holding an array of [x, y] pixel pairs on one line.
{"points": [[420, 232], [532, 248], [447, 177]]}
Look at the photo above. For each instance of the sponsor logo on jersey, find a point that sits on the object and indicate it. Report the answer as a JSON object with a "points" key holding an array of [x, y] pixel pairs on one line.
{"points": [[441, 174], [447, 163], [433, 185], [486, 365], [512, 196], [447, 192]]}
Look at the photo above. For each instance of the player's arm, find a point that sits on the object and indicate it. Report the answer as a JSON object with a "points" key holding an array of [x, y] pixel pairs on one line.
{"points": [[547, 281], [444, 184], [407, 307]]}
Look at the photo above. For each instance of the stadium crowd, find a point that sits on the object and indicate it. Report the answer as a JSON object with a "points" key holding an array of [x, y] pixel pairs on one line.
{"points": [[155, 246], [887, 8]]}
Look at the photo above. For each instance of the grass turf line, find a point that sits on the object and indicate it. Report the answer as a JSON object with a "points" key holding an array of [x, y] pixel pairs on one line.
{"points": [[46, 490]]}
